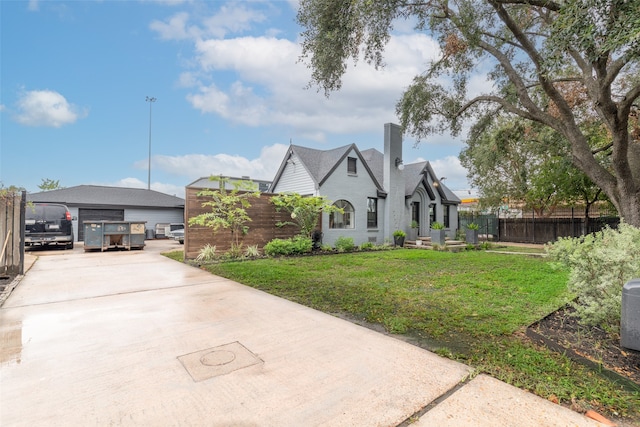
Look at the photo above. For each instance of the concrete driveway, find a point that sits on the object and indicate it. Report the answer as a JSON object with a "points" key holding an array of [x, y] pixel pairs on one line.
{"points": [[134, 338]]}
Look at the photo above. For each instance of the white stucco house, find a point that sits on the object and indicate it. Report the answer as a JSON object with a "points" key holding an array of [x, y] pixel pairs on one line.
{"points": [[378, 192]]}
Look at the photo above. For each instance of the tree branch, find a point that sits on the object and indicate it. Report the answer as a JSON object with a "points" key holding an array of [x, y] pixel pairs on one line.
{"points": [[601, 149], [532, 109], [545, 4], [629, 98], [506, 105]]}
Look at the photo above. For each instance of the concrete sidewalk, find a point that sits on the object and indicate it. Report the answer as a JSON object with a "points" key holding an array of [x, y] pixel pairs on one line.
{"points": [[134, 338]]}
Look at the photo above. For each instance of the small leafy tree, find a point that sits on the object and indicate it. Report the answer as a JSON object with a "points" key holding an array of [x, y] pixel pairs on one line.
{"points": [[50, 184], [600, 264], [228, 209], [305, 211]]}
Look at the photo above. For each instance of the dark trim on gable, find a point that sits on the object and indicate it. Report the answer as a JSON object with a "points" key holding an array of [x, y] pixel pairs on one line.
{"points": [[362, 160]]}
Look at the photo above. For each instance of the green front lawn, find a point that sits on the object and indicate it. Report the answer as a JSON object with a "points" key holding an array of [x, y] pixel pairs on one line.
{"points": [[470, 306]]}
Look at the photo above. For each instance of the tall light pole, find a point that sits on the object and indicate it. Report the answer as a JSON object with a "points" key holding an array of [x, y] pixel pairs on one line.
{"points": [[150, 100]]}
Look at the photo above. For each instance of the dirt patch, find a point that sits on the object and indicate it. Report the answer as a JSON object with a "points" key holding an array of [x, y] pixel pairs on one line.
{"points": [[591, 346]]}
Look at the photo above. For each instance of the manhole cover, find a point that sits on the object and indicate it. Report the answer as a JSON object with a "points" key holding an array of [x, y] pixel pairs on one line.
{"points": [[217, 358], [216, 361]]}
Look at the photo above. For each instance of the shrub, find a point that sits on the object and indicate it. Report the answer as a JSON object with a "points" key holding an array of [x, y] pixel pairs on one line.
{"points": [[207, 253], [366, 246], [600, 264], [344, 244], [252, 251], [235, 252], [293, 246], [437, 225]]}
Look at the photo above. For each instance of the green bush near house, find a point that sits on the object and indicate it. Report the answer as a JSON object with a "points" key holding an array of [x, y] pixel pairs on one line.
{"points": [[344, 244], [294, 246], [367, 246]]}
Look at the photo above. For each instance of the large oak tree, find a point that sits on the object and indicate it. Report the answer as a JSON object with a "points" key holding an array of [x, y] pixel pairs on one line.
{"points": [[558, 63]]}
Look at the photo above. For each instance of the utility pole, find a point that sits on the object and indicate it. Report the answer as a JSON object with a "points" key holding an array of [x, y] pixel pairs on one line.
{"points": [[150, 100]]}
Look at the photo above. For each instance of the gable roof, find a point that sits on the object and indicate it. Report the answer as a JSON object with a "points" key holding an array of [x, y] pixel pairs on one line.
{"points": [[415, 175], [375, 160], [322, 163], [111, 196]]}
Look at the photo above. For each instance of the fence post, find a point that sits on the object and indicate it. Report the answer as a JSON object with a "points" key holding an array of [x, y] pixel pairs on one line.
{"points": [[533, 217], [23, 208]]}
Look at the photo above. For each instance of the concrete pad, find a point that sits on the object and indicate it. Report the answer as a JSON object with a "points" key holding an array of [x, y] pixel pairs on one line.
{"points": [[487, 402], [97, 339]]}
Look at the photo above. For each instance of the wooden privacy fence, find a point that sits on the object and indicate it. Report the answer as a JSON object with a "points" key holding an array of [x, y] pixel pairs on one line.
{"points": [[544, 230], [262, 227], [12, 207]]}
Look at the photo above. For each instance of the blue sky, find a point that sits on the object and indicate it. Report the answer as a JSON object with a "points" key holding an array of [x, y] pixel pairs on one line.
{"points": [[229, 85]]}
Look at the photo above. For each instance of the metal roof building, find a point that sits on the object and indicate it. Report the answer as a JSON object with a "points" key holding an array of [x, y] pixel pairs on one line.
{"points": [[94, 202]]}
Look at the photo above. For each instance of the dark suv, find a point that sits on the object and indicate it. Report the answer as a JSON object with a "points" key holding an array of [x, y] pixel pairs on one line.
{"points": [[48, 223]]}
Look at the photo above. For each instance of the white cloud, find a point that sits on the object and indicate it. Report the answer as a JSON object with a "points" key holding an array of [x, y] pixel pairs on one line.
{"points": [[194, 166], [270, 85], [210, 99], [45, 108], [232, 18], [173, 190], [175, 28]]}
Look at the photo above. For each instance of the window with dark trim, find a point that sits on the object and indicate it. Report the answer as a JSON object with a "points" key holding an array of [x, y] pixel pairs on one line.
{"points": [[432, 214], [415, 212], [352, 165], [445, 215], [372, 212], [344, 219]]}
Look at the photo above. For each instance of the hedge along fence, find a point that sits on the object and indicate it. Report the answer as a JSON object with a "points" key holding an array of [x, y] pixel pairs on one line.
{"points": [[262, 227], [12, 208]]}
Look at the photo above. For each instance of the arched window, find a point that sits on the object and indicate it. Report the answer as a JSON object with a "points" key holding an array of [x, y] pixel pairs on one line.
{"points": [[342, 220]]}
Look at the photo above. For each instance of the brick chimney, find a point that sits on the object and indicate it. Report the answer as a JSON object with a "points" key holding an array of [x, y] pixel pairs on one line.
{"points": [[393, 180]]}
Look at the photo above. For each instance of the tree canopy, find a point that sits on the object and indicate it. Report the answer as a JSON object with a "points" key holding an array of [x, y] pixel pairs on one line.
{"points": [[48, 184], [511, 158], [558, 63]]}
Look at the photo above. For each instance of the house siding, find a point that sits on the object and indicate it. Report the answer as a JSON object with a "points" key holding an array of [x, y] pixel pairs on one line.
{"points": [[296, 179], [355, 189]]}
